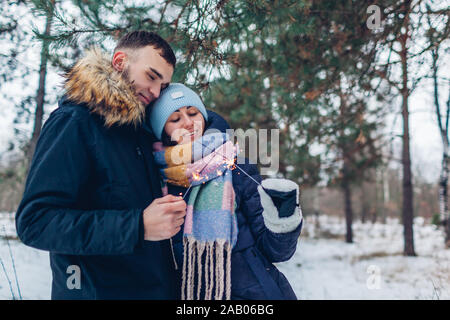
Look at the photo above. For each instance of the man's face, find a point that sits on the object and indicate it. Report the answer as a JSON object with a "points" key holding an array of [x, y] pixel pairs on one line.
{"points": [[148, 71]]}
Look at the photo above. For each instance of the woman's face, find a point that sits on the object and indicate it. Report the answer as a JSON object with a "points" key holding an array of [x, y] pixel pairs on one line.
{"points": [[185, 125]]}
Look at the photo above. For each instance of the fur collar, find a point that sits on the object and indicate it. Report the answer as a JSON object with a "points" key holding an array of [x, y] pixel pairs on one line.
{"points": [[94, 82]]}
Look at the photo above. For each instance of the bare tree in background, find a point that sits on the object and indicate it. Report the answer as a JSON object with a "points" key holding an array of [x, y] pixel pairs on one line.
{"points": [[407, 30], [443, 124], [40, 96], [407, 209]]}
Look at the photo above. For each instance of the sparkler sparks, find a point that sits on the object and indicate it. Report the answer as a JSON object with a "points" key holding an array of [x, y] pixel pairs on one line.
{"points": [[231, 164], [196, 176]]}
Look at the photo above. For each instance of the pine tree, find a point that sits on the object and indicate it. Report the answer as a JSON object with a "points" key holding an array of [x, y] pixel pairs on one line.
{"points": [[405, 24], [286, 74]]}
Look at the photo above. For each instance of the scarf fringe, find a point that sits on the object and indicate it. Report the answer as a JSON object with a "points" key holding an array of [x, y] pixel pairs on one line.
{"points": [[216, 258]]}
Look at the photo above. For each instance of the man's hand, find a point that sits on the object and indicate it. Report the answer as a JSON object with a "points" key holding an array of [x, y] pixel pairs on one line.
{"points": [[163, 218]]}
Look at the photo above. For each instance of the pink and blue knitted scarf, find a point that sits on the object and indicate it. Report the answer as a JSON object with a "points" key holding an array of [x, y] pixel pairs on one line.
{"points": [[210, 227]]}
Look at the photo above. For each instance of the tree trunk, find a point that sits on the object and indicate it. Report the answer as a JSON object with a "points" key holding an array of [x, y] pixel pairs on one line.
{"points": [[407, 209], [364, 205], [443, 197], [345, 182], [443, 130], [386, 195], [375, 211], [348, 206], [40, 96]]}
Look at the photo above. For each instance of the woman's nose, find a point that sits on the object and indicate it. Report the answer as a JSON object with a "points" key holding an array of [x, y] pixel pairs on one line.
{"points": [[187, 121]]}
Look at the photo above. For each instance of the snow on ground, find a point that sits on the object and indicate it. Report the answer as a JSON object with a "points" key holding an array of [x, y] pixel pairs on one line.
{"points": [[323, 267], [373, 267], [32, 266]]}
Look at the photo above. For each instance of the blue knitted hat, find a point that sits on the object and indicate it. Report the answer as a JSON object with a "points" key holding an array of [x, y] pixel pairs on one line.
{"points": [[172, 98]]}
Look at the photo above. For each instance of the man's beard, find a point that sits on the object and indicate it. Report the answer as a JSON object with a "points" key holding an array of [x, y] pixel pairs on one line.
{"points": [[125, 74]]}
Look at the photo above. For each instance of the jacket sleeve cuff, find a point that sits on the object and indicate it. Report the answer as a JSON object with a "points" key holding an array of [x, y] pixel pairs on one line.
{"points": [[272, 219], [140, 243]]}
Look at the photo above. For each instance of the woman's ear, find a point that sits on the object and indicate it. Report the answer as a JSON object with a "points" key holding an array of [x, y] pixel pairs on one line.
{"points": [[119, 61]]}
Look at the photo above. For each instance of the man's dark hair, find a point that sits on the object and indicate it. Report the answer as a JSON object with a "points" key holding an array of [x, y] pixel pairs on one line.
{"points": [[141, 38]]}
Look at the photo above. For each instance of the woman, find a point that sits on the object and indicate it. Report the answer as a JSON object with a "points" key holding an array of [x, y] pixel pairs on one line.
{"points": [[233, 231]]}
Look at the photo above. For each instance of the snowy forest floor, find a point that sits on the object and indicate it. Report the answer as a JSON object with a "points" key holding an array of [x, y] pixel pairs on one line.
{"points": [[323, 267]]}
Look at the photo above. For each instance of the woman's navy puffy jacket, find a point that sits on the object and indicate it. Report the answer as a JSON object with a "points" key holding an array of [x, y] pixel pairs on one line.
{"points": [[253, 275]]}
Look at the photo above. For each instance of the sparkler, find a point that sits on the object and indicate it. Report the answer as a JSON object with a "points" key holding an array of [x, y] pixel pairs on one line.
{"points": [[231, 164]]}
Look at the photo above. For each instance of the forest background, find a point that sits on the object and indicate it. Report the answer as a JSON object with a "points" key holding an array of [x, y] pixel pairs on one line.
{"points": [[360, 90]]}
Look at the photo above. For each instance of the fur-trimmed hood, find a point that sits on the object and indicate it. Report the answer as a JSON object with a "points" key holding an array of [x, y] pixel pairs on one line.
{"points": [[93, 81]]}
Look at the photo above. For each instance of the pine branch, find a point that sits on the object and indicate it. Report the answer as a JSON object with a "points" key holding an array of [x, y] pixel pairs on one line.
{"points": [[163, 12], [8, 28]]}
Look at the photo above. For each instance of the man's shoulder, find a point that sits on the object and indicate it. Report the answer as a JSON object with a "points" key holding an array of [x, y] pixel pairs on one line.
{"points": [[69, 115], [72, 109], [69, 111]]}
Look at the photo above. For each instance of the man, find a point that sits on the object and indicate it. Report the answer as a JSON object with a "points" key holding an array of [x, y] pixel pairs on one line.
{"points": [[93, 194]]}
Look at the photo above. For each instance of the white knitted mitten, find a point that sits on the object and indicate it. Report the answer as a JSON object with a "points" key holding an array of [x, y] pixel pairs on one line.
{"points": [[281, 207]]}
